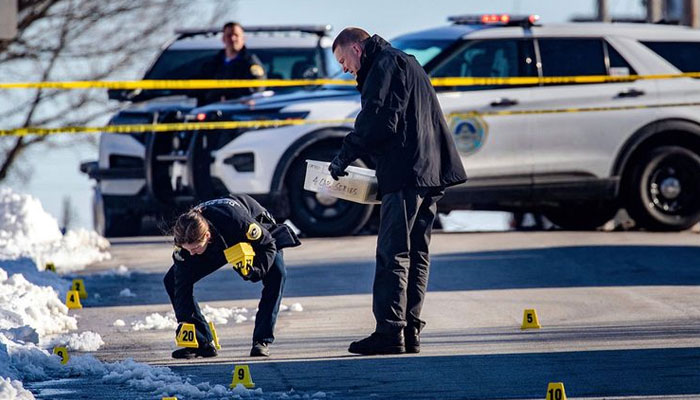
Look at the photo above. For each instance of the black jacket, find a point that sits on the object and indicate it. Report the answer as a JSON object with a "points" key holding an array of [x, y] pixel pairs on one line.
{"points": [[246, 65], [235, 219], [401, 125]]}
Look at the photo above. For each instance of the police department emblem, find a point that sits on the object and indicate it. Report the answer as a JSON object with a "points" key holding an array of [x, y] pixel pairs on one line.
{"points": [[254, 232], [470, 133]]}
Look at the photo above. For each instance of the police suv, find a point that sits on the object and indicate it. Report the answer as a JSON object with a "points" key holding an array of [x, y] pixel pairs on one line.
{"points": [[121, 197], [577, 152]]}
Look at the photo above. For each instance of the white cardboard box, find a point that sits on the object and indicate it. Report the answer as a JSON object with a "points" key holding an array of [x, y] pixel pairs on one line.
{"points": [[359, 186]]}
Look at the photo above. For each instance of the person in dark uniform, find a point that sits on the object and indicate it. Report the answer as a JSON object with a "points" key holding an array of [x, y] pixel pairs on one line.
{"points": [[402, 128], [233, 62], [201, 237]]}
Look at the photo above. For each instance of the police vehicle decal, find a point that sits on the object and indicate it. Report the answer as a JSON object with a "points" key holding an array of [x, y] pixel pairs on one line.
{"points": [[470, 133]]}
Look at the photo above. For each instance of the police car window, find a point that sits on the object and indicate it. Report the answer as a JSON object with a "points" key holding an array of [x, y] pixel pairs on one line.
{"points": [[290, 63], [486, 59], [422, 50], [572, 57], [618, 65], [683, 55], [179, 64]]}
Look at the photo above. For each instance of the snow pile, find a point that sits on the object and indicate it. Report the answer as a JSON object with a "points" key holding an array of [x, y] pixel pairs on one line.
{"points": [[26, 304], [26, 230], [126, 293], [296, 307], [119, 322], [220, 316], [13, 390], [84, 341], [122, 270], [155, 321]]}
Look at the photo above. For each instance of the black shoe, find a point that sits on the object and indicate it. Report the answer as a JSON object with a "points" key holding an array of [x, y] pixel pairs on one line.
{"points": [[260, 349], [378, 343], [188, 352], [412, 338]]}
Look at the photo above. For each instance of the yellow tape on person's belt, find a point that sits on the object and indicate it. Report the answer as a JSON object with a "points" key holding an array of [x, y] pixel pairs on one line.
{"points": [[193, 126], [242, 83]]}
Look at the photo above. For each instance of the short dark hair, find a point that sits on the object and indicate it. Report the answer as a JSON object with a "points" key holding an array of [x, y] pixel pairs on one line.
{"points": [[348, 36], [231, 24]]}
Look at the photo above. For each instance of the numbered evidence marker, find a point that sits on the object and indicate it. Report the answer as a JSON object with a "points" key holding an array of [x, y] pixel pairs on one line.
{"points": [[73, 299], [50, 267], [555, 391], [241, 374], [240, 256], [79, 286], [216, 337], [186, 336], [63, 353], [530, 319]]}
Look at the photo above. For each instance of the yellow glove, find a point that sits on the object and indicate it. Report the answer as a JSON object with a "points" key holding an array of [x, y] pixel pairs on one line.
{"points": [[240, 256]]}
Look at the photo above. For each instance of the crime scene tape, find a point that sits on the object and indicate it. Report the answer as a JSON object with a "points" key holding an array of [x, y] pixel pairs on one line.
{"points": [[218, 125], [241, 83]]}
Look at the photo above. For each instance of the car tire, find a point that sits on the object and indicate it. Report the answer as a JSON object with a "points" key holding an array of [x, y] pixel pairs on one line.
{"points": [[110, 222], [322, 216], [663, 189], [581, 216]]}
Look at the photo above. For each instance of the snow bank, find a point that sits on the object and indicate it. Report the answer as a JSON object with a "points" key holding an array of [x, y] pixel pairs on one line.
{"points": [[83, 341], [26, 230]]}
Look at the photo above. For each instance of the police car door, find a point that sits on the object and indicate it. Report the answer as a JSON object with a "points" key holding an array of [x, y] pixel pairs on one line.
{"points": [[494, 148], [579, 127]]}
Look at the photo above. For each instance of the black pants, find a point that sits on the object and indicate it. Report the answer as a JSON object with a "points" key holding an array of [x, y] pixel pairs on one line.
{"points": [[179, 283], [401, 277]]}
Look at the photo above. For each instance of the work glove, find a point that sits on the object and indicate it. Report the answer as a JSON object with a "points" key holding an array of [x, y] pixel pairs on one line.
{"points": [[337, 168]]}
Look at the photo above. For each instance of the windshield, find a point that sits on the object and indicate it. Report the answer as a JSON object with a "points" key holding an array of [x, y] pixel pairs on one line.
{"points": [[423, 50]]}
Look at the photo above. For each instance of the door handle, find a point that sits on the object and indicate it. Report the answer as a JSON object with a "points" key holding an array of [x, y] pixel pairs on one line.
{"points": [[631, 93], [504, 102]]}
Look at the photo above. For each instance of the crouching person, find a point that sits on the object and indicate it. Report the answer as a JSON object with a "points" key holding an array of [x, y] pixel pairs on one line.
{"points": [[208, 237]]}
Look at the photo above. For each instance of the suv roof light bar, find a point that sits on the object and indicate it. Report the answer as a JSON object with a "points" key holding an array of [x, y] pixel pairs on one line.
{"points": [[319, 30], [495, 19]]}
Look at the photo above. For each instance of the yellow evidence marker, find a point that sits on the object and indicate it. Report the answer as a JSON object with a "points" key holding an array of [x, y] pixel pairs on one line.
{"points": [[216, 337], [187, 336], [73, 299], [240, 256], [63, 353], [79, 286], [530, 319], [241, 374], [169, 398], [555, 391], [50, 267]]}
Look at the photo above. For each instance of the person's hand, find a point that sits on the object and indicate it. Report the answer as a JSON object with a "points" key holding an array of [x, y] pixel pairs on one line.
{"points": [[337, 168]]}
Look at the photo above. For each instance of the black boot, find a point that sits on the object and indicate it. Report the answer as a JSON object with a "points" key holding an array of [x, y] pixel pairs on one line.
{"points": [[260, 349], [208, 350], [412, 338], [378, 343]]}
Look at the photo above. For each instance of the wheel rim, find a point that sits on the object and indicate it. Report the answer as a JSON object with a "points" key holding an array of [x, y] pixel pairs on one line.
{"points": [[672, 187], [324, 207]]}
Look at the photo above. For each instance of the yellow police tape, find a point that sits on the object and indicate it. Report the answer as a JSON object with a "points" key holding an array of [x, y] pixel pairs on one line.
{"points": [[216, 125], [241, 83]]}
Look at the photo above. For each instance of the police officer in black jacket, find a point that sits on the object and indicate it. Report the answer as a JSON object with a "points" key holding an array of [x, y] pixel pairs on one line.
{"points": [[402, 128], [233, 62], [201, 236]]}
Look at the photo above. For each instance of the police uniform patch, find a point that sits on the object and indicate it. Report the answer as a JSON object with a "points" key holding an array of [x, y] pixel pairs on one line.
{"points": [[257, 70], [254, 232], [176, 254]]}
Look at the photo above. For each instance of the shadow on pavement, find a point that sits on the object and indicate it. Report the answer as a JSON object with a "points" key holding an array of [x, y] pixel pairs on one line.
{"points": [[584, 266]]}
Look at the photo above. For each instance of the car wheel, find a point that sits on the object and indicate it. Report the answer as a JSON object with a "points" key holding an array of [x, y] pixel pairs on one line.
{"points": [[581, 216], [320, 215], [663, 189], [111, 222]]}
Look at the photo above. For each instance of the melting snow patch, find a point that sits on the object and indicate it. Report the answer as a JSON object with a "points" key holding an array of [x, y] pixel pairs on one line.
{"points": [[119, 322], [121, 270], [296, 307], [155, 321], [126, 293], [84, 341], [220, 316]]}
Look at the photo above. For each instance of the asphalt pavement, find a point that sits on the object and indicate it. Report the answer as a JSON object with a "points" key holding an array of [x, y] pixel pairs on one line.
{"points": [[620, 316]]}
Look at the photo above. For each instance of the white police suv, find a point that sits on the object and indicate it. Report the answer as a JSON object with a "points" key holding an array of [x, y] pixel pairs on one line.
{"points": [[121, 197], [576, 152]]}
